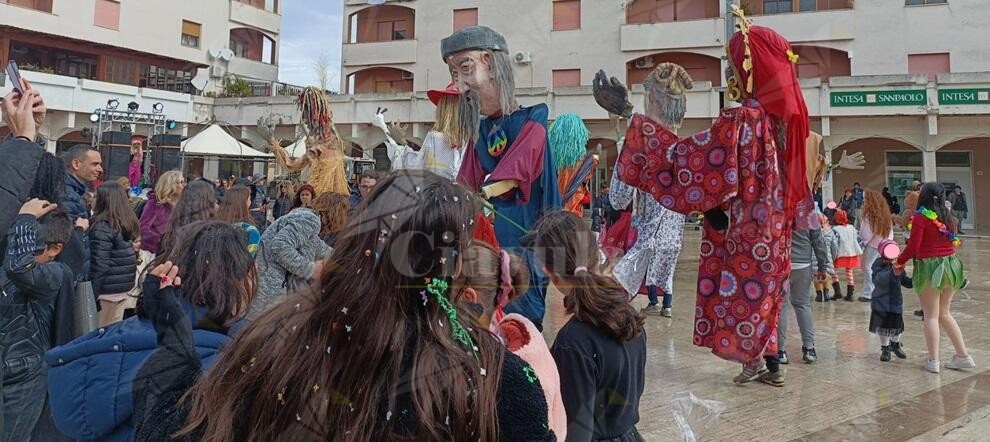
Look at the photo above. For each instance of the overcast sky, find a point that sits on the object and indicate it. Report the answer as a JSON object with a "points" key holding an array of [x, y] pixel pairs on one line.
{"points": [[310, 28]]}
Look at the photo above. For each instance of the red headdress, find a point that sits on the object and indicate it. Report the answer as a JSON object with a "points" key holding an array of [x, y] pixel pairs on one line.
{"points": [[764, 64]]}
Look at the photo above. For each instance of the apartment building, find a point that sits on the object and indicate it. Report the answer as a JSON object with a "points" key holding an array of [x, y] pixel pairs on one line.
{"points": [[180, 53], [904, 81]]}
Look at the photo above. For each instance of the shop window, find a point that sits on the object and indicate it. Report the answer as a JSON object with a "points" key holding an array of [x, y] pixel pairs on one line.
{"points": [[107, 14], [928, 64], [905, 159], [566, 78], [778, 6], [807, 5], [464, 18], [190, 33], [566, 14], [952, 159]]}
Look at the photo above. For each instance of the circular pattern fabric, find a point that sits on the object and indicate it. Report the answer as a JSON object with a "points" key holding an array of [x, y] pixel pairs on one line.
{"points": [[703, 138], [729, 284]]}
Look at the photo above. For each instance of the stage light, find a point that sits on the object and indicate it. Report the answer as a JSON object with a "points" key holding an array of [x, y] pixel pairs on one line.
{"points": [[113, 103], [170, 124], [132, 106], [126, 128], [158, 107], [94, 117]]}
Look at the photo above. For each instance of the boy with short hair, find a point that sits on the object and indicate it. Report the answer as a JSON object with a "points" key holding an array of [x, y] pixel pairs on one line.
{"points": [[31, 283]]}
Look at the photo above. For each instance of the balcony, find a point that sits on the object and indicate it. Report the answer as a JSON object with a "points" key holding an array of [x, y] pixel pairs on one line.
{"points": [[255, 16], [702, 33], [244, 67], [379, 53], [811, 27]]}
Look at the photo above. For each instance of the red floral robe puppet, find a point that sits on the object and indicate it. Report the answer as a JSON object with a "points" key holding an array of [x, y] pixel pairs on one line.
{"points": [[747, 183]]}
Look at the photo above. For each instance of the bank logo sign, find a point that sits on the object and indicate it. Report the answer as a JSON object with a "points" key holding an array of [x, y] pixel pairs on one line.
{"points": [[964, 96], [918, 97]]}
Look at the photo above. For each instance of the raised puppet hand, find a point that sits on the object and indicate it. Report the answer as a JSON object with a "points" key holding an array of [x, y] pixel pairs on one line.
{"points": [[855, 161], [379, 120], [611, 95], [398, 132]]}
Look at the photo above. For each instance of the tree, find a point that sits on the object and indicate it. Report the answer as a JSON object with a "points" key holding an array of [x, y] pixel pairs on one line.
{"points": [[321, 67]]}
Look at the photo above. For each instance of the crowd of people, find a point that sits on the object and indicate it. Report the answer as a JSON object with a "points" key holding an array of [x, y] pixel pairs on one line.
{"points": [[412, 308]]}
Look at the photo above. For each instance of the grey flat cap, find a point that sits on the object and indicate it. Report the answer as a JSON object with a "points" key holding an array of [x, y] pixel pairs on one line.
{"points": [[472, 37]]}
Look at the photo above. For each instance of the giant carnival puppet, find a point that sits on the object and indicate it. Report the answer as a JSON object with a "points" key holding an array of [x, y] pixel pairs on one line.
{"points": [[568, 139], [651, 261], [747, 175], [324, 157], [509, 161]]}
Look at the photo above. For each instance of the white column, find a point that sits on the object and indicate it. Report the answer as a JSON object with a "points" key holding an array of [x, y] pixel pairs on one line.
{"points": [[928, 174], [211, 167]]}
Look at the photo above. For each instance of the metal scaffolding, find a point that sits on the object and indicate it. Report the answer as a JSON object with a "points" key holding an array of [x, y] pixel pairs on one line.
{"points": [[106, 119]]}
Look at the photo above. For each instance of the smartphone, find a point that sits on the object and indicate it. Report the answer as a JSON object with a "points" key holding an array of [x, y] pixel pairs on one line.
{"points": [[14, 75]]}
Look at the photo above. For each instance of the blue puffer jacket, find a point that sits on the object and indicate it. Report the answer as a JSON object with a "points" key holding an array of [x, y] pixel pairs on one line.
{"points": [[73, 203], [90, 380]]}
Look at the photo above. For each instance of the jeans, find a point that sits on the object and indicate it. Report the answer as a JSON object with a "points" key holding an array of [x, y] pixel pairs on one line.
{"points": [[870, 256], [25, 388], [651, 292], [798, 299]]}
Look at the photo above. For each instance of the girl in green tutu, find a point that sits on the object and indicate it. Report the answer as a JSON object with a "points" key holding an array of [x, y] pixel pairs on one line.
{"points": [[938, 273]]}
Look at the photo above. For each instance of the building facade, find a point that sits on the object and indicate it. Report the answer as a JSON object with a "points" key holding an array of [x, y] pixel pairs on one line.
{"points": [[82, 53], [906, 82]]}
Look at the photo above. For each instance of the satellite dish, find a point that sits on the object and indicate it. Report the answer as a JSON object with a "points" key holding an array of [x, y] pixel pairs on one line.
{"points": [[214, 53], [199, 82], [226, 54]]}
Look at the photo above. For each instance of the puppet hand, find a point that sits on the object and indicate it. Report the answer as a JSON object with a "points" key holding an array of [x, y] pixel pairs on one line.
{"points": [[611, 95], [398, 132], [855, 161], [379, 120]]}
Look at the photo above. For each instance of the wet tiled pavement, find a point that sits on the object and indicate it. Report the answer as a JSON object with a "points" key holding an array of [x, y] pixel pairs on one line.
{"points": [[849, 394]]}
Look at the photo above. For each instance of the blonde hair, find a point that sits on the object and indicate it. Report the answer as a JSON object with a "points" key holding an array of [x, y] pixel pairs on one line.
{"points": [[449, 121], [169, 187]]}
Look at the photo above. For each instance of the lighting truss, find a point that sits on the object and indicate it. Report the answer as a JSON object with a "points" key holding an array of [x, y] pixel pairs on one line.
{"points": [[141, 123]]}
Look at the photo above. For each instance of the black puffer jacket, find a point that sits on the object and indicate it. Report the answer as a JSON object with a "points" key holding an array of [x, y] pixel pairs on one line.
{"points": [[113, 262]]}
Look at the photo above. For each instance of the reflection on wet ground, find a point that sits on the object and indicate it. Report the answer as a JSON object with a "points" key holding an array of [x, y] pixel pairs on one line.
{"points": [[849, 394]]}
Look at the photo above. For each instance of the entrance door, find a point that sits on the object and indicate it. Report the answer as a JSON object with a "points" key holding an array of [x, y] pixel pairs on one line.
{"points": [[953, 169]]}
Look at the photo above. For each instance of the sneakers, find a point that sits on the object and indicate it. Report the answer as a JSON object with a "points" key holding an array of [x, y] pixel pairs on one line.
{"points": [[809, 355], [865, 299], [782, 355], [919, 313], [898, 351], [774, 379], [651, 310], [965, 284], [749, 373], [885, 353], [932, 365], [960, 363], [665, 312]]}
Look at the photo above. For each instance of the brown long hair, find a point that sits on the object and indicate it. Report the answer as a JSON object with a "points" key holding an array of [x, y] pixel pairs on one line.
{"points": [[234, 206], [113, 207], [332, 209], [197, 203], [333, 362], [481, 270], [876, 212], [568, 251]]}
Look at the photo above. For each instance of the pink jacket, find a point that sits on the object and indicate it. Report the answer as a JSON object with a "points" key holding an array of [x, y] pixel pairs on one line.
{"points": [[524, 340]]}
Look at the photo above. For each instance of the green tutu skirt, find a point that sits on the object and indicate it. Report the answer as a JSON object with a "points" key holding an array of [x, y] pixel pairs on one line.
{"points": [[939, 273]]}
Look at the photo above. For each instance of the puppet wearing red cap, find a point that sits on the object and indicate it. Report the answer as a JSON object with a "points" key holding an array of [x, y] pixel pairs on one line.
{"points": [[749, 187]]}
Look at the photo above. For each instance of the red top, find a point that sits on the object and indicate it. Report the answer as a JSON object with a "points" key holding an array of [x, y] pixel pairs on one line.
{"points": [[926, 241]]}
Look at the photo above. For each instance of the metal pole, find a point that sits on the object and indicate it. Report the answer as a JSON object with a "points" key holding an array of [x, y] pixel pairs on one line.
{"points": [[729, 21]]}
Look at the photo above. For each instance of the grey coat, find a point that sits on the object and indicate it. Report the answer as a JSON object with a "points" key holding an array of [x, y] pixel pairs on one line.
{"points": [[289, 248]]}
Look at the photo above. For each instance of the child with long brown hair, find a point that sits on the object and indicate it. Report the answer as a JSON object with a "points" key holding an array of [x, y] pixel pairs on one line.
{"points": [[381, 349], [849, 254], [876, 226], [113, 264], [332, 209], [601, 351], [235, 207]]}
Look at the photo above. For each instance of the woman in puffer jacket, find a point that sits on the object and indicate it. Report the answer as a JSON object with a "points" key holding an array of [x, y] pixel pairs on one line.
{"points": [[291, 256], [113, 263], [91, 379]]}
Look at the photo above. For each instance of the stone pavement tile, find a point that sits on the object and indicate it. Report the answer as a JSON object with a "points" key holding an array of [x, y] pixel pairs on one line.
{"points": [[974, 426]]}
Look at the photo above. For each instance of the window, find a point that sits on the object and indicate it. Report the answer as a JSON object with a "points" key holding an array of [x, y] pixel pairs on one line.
{"points": [[190, 34], [239, 48], [663, 11], [924, 2], [778, 6], [566, 14], [928, 64], [808, 5], [464, 18], [107, 14], [393, 30], [37, 5], [566, 78], [267, 50]]}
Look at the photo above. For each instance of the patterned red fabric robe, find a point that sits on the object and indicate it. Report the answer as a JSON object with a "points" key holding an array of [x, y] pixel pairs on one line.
{"points": [[744, 269]]}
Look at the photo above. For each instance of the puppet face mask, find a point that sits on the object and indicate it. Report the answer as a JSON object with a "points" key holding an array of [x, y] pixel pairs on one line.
{"points": [[471, 70]]}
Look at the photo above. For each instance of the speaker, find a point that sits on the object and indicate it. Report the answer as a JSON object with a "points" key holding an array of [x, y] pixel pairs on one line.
{"points": [[167, 140], [115, 138]]}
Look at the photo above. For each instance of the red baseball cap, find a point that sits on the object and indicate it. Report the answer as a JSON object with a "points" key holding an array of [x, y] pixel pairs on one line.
{"points": [[436, 94]]}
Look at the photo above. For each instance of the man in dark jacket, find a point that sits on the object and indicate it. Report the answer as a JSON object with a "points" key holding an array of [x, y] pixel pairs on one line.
{"points": [[31, 285], [83, 165]]}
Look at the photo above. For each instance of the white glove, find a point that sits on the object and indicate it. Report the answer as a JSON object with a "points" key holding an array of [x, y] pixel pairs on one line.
{"points": [[379, 120], [855, 161]]}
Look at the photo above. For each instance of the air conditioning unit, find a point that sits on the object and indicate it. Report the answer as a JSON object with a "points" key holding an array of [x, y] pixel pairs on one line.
{"points": [[644, 63], [407, 75], [218, 71], [523, 58]]}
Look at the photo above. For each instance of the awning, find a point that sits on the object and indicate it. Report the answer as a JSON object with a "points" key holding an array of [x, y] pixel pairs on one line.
{"points": [[214, 141]]}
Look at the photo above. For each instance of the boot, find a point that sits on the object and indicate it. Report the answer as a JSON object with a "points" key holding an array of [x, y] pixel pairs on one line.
{"points": [[819, 296], [825, 292], [885, 353], [898, 351], [849, 292], [838, 291]]}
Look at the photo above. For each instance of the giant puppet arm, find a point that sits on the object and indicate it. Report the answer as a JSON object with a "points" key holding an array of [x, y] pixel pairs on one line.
{"points": [[325, 163]]}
